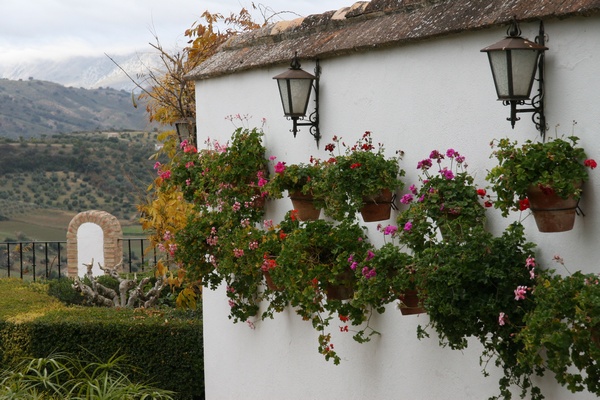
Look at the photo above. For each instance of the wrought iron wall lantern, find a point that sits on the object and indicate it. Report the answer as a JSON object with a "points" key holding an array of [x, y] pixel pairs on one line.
{"points": [[295, 86], [514, 62], [186, 129]]}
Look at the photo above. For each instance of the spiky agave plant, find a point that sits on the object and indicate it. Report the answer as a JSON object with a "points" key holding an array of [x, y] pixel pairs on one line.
{"points": [[62, 376]]}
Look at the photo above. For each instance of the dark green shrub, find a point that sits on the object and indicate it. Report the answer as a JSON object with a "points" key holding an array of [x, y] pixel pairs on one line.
{"points": [[63, 290], [108, 281], [163, 346]]}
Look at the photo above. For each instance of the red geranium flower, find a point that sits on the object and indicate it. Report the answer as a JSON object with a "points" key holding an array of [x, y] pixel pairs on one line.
{"points": [[355, 165], [590, 163], [524, 204], [481, 192], [367, 147]]}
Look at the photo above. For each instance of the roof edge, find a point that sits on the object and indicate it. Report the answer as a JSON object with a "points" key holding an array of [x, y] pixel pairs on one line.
{"points": [[376, 24]]}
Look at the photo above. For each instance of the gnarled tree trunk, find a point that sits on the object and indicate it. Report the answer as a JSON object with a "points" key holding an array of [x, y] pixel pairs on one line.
{"points": [[131, 291]]}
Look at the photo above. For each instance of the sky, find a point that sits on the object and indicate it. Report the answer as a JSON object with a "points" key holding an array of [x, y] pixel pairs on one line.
{"points": [[32, 30]]}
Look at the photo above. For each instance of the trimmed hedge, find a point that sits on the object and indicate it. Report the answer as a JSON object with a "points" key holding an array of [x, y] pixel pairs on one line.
{"points": [[163, 346]]}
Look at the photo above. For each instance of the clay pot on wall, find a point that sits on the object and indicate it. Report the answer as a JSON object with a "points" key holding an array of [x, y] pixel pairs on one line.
{"points": [[269, 281], [304, 204], [342, 290], [410, 303], [552, 213], [377, 208]]}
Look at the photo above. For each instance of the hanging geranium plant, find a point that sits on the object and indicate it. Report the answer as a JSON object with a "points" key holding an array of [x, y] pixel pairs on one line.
{"points": [[359, 174], [447, 202], [557, 166]]}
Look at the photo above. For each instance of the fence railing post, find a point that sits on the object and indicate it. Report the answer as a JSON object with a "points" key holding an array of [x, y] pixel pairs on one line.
{"points": [[23, 249], [8, 259], [21, 259], [33, 260]]}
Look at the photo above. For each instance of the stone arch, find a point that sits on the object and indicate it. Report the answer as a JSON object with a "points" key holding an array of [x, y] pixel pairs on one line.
{"points": [[112, 235]]}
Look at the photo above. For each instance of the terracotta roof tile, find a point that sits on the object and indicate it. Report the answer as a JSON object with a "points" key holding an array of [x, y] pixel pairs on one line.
{"points": [[375, 24]]}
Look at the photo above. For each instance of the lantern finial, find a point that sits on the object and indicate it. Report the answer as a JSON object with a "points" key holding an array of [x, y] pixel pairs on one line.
{"points": [[514, 30]]}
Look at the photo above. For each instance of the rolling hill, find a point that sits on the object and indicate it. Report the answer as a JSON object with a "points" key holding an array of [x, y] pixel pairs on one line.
{"points": [[32, 108], [64, 150], [46, 181]]}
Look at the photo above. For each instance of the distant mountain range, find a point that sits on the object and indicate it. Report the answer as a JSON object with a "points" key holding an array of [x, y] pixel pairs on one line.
{"points": [[32, 108], [85, 72]]}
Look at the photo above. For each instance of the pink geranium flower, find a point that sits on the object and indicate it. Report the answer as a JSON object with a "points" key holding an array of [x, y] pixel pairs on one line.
{"points": [[520, 292], [502, 319]]}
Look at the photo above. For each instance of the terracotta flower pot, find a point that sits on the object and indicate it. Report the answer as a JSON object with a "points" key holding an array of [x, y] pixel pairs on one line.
{"points": [[552, 213], [411, 304], [269, 280], [339, 292], [343, 290], [377, 208], [304, 204]]}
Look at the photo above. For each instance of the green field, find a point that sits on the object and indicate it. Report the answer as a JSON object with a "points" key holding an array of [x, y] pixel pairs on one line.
{"points": [[49, 225]]}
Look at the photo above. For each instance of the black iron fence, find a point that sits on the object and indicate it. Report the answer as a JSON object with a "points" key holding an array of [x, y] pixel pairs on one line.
{"points": [[136, 256], [34, 260]]}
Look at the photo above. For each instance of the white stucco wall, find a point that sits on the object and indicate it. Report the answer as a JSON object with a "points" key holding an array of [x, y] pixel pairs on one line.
{"points": [[419, 97]]}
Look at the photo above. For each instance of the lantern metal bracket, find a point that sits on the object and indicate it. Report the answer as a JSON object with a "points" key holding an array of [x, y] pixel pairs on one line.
{"points": [[536, 103], [313, 118]]}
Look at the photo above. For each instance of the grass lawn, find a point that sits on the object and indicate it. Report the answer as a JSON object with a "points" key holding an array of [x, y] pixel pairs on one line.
{"points": [[20, 301]]}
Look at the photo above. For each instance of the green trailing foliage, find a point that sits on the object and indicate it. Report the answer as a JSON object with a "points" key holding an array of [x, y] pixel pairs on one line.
{"points": [[474, 284], [562, 332]]}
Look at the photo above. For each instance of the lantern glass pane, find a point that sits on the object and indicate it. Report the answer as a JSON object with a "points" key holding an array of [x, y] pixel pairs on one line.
{"points": [[523, 71], [285, 95], [295, 94], [499, 64], [300, 89]]}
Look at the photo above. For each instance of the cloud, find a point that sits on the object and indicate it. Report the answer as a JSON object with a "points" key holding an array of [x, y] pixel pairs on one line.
{"points": [[57, 29]]}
